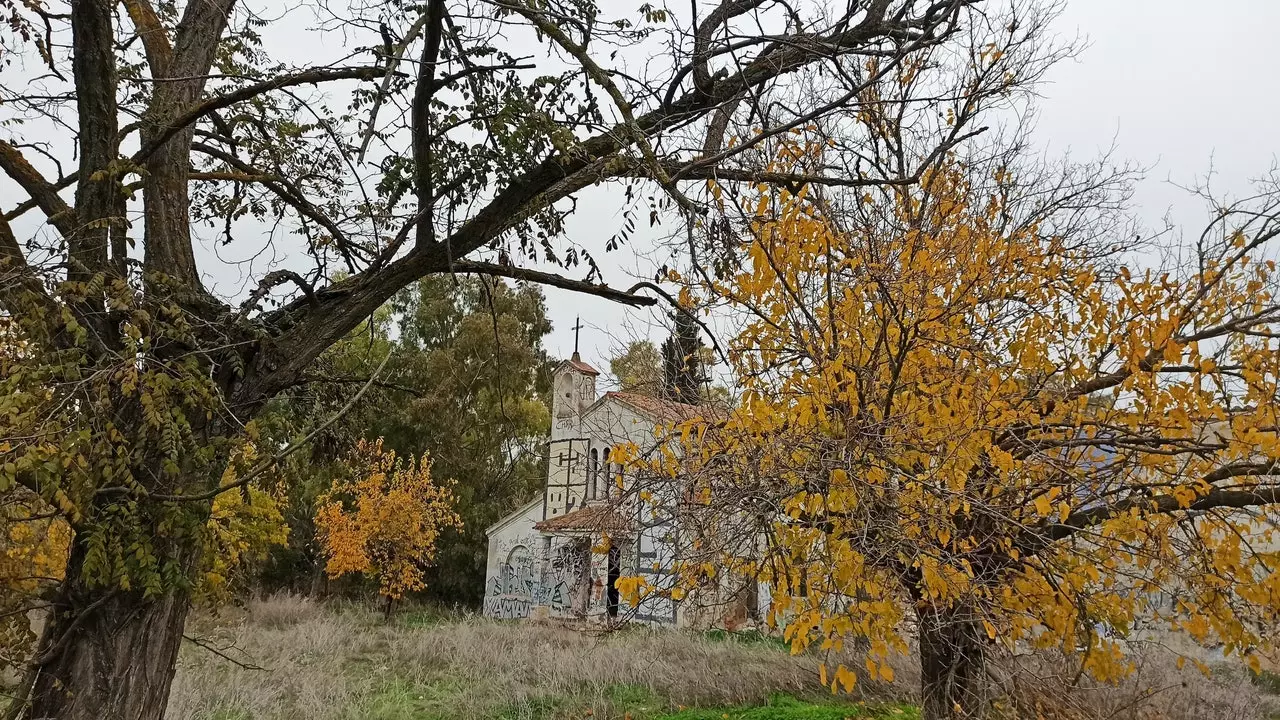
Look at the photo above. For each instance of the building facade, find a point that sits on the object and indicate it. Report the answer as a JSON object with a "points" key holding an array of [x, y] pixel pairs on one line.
{"points": [[561, 554]]}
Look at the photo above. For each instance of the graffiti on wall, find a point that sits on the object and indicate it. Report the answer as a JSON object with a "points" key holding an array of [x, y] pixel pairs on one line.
{"points": [[517, 588]]}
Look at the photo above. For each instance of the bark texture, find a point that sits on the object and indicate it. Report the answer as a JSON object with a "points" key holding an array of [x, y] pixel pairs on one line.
{"points": [[952, 663], [108, 655]]}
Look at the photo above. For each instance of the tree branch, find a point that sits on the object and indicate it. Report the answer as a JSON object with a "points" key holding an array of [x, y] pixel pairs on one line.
{"points": [[542, 278], [344, 304], [1038, 538], [420, 121], [43, 195], [291, 194], [312, 76], [272, 279], [155, 40], [253, 473]]}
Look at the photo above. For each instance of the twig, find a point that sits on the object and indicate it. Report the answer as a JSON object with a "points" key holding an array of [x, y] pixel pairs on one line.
{"points": [[393, 61], [204, 645], [683, 311], [543, 278]]}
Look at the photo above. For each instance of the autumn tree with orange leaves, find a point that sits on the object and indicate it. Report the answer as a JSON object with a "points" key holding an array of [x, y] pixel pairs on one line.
{"points": [[383, 520], [975, 420]]}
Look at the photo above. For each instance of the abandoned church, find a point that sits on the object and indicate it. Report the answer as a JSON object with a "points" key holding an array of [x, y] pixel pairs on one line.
{"points": [[562, 553]]}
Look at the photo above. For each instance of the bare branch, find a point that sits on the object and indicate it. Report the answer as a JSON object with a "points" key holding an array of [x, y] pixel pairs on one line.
{"points": [[559, 281]]}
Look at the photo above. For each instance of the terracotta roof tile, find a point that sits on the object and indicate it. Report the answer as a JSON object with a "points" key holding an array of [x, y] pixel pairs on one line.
{"points": [[665, 410], [592, 518], [583, 367], [576, 363]]}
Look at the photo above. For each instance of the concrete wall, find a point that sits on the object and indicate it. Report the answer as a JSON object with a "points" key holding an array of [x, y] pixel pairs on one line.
{"points": [[572, 392], [532, 575]]}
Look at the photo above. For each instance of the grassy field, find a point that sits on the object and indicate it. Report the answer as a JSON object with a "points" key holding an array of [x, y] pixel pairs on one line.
{"points": [[290, 659]]}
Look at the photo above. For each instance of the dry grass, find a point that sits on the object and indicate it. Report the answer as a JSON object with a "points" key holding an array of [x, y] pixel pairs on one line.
{"points": [[1051, 687], [321, 664], [345, 663]]}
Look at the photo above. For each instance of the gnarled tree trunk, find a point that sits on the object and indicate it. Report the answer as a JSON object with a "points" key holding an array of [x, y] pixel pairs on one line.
{"points": [[107, 654], [952, 663]]}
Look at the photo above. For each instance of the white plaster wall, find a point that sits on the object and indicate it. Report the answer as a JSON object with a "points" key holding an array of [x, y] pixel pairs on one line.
{"points": [[501, 598], [612, 422], [566, 476]]}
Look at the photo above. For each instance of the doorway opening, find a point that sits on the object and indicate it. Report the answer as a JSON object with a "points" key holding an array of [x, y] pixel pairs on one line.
{"points": [[615, 571]]}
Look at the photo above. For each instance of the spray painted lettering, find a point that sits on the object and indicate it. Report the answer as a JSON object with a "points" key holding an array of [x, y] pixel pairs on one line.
{"points": [[517, 588]]}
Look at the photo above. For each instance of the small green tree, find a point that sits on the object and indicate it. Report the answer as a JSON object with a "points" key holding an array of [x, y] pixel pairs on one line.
{"points": [[638, 368]]}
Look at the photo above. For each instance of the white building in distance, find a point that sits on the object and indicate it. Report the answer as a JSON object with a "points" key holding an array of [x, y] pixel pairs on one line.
{"points": [[561, 554]]}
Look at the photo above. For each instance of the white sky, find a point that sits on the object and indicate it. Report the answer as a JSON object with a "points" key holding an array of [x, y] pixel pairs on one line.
{"points": [[1178, 86]]}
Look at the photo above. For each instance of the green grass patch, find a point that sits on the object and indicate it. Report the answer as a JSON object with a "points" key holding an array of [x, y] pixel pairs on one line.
{"points": [[1266, 681], [543, 707], [789, 708], [638, 700], [401, 699], [424, 615]]}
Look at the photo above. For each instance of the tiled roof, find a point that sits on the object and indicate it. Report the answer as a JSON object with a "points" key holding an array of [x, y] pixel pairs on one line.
{"points": [[592, 518], [665, 410], [576, 363]]}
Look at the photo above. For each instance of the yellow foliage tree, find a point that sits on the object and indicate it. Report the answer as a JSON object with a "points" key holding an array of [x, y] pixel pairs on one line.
{"points": [[383, 520], [971, 420], [242, 526], [34, 543]]}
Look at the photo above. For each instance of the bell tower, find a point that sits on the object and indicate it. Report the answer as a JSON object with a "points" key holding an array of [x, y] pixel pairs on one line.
{"points": [[574, 389]]}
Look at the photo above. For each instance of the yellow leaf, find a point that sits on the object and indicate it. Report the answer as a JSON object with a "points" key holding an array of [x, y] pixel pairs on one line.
{"points": [[845, 678], [1043, 505]]}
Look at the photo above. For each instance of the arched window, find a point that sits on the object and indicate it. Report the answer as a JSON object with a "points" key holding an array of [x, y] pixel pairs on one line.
{"points": [[593, 474], [606, 470], [517, 573]]}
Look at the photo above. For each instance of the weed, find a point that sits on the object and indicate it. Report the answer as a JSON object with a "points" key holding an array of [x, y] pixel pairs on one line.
{"points": [[1267, 681]]}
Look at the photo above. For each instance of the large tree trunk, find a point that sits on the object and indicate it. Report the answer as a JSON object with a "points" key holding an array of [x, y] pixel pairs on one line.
{"points": [[952, 660], [107, 655]]}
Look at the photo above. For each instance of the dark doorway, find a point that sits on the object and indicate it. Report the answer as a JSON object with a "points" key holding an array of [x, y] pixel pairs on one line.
{"points": [[615, 570]]}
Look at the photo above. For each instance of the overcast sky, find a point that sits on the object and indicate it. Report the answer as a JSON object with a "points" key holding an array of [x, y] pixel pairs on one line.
{"points": [[1177, 85]]}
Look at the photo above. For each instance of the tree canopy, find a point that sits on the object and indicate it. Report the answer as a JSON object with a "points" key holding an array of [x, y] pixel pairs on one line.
{"points": [[968, 417], [152, 152], [638, 368]]}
